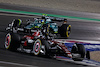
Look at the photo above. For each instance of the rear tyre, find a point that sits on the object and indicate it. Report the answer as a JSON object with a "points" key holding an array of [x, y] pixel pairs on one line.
{"points": [[65, 30], [12, 41], [78, 52]]}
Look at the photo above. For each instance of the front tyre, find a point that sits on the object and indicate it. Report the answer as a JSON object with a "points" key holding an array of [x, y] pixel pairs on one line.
{"points": [[37, 47], [12, 41], [78, 52], [40, 47]]}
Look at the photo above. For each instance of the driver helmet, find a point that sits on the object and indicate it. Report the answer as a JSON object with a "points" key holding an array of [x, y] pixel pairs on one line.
{"points": [[17, 22], [65, 21], [42, 21], [20, 21]]}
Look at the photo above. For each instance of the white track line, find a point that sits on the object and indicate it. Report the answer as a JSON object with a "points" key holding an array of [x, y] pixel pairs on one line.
{"points": [[1, 66], [78, 62], [18, 64]]}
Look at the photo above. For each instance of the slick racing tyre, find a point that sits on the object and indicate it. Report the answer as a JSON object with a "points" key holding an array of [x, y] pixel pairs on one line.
{"points": [[78, 52], [65, 30], [45, 47], [40, 47], [12, 41]]}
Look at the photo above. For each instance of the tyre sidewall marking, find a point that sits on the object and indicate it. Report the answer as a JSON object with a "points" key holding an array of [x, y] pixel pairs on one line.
{"points": [[37, 44], [67, 30], [7, 41]]}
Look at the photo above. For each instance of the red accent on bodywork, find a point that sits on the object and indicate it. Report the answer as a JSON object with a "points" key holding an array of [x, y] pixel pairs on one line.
{"points": [[28, 37], [65, 50], [55, 42], [25, 44], [36, 33]]}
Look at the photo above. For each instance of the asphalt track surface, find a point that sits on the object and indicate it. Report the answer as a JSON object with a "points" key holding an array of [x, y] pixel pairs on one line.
{"points": [[82, 30]]}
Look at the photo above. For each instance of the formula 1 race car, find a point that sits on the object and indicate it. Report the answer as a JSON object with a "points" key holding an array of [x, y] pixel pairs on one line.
{"points": [[39, 44], [48, 24]]}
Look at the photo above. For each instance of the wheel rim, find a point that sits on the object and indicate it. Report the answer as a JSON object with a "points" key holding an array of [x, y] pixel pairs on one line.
{"points": [[37, 47], [7, 41], [68, 31]]}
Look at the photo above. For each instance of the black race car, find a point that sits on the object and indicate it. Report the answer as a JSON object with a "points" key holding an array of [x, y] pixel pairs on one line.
{"points": [[48, 24], [39, 44]]}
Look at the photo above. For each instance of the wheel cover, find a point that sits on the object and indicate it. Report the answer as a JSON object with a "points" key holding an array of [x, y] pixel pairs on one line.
{"points": [[37, 47], [7, 41]]}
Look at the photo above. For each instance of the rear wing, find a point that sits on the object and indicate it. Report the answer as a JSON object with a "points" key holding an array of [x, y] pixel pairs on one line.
{"points": [[57, 19], [54, 18]]}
